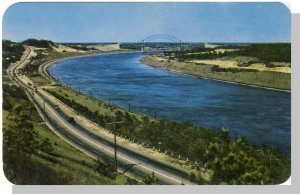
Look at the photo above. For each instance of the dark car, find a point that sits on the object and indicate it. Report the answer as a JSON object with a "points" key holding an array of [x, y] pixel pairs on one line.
{"points": [[71, 120]]}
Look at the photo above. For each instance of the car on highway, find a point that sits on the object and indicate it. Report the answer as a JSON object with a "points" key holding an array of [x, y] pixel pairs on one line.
{"points": [[71, 120]]}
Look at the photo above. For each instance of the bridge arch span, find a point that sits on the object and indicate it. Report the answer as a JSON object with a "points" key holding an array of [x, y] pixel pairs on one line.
{"points": [[169, 38], [161, 36]]}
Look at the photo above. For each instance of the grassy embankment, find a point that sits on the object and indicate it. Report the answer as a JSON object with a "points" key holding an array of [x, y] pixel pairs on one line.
{"points": [[32, 69], [268, 55], [263, 79], [232, 161], [33, 154], [203, 145], [51, 160]]}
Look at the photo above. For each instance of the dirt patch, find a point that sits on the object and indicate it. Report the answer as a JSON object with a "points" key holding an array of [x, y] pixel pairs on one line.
{"points": [[108, 47], [62, 48], [234, 64]]}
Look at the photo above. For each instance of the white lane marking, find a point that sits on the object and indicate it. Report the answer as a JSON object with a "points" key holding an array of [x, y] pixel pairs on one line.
{"points": [[94, 142], [63, 122]]}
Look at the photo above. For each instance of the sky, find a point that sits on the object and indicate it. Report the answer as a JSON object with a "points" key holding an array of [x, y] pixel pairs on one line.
{"points": [[132, 22]]}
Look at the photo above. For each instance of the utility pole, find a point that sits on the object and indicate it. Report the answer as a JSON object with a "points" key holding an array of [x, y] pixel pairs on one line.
{"points": [[115, 146], [115, 142]]}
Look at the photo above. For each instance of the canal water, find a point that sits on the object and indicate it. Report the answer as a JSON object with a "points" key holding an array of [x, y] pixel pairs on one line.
{"points": [[260, 115]]}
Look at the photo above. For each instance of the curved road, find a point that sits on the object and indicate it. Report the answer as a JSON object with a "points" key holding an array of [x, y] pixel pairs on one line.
{"points": [[91, 143]]}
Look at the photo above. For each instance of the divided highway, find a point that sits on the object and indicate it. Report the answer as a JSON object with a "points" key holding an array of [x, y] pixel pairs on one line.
{"points": [[89, 142]]}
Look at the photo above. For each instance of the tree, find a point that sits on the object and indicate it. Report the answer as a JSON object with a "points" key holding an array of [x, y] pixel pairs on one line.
{"points": [[46, 146], [106, 167], [192, 177], [150, 179], [20, 136], [224, 136]]}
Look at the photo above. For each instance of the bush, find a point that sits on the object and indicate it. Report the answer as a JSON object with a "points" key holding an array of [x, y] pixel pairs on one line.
{"points": [[106, 167], [150, 179], [46, 146], [39, 43], [216, 68]]}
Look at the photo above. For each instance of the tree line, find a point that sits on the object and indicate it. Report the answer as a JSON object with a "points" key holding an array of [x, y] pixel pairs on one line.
{"points": [[264, 52], [48, 44], [12, 52]]}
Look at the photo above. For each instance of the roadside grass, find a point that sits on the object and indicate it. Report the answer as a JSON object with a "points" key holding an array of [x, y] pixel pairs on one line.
{"points": [[91, 103], [31, 70], [69, 160], [40, 80], [65, 165], [5, 79]]}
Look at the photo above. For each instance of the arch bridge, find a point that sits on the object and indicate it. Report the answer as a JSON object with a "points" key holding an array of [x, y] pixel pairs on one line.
{"points": [[168, 38]]}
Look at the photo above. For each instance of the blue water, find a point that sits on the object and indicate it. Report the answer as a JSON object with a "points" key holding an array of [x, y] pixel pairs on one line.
{"points": [[263, 116]]}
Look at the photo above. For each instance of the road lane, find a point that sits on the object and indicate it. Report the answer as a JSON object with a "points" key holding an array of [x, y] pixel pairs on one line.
{"points": [[89, 143], [109, 149], [108, 139]]}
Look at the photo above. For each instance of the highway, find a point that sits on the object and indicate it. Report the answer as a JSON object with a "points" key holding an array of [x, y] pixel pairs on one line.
{"points": [[91, 143]]}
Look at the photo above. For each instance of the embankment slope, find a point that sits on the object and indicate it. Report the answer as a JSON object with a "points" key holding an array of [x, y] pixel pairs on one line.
{"points": [[266, 79]]}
